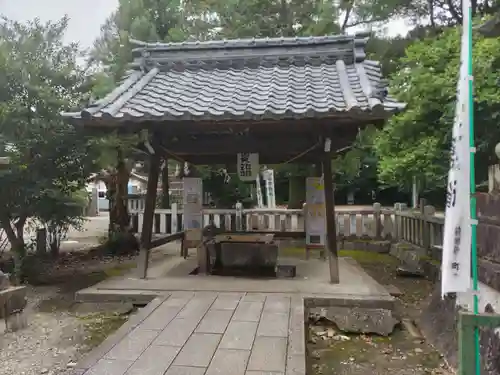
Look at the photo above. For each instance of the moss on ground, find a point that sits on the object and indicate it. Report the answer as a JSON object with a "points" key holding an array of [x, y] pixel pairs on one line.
{"points": [[98, 326], [119, 269], [360, 256], [398, 354]]}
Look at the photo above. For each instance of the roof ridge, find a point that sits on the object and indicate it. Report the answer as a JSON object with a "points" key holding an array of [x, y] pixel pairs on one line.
{"points": [[246, 42], [240, 52]]}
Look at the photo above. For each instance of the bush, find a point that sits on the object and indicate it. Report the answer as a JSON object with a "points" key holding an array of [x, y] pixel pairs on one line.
{"points": [[60, 212]]}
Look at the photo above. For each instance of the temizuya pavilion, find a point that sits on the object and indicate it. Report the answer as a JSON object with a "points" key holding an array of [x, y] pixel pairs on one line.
{"points": [[283, 98]]}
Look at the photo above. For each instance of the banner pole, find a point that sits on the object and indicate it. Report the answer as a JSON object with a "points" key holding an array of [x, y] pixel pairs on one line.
{"points": [[473, 215]]}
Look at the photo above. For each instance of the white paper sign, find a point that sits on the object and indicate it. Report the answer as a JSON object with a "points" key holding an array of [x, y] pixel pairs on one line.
{"points": [[456, 264], [193, 203], [315, 212], [248, 166]]}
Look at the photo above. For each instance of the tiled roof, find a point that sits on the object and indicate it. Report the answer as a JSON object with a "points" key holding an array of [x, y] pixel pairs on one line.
{"points": [[247, 79]]}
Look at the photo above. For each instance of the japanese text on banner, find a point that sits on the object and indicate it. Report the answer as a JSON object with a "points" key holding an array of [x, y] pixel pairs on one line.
{"points": [[456, 264]]}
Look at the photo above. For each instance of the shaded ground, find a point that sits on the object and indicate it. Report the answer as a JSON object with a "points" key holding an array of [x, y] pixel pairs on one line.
{"points": [[399, 354], [60, 331]]}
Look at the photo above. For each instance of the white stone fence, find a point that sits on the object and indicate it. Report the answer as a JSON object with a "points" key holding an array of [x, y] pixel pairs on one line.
{"points": [[422, 228]]}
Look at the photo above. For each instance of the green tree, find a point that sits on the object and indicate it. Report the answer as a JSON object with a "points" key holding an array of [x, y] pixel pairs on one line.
{"points": [[49, 158], [417, 142]]}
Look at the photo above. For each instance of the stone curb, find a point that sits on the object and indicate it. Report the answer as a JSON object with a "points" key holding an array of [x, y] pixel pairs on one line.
{"points": [[99, 352]]}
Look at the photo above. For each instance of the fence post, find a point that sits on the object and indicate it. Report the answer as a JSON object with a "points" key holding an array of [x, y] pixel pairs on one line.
{"points": [[422, 204], [239, 216], [397, 222], [378, 221], [428, 212], [173, 220]]}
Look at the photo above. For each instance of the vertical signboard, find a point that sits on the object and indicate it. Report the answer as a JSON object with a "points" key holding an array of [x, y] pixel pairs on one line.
{"points": [[315, 212], [192, 207], [248, 166], [457, 240]]}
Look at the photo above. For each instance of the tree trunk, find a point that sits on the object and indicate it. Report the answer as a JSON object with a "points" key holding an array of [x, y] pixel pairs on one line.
{"points": [[296, 191], [116, 186], [165, 197], [17, 245], [121, 206]]}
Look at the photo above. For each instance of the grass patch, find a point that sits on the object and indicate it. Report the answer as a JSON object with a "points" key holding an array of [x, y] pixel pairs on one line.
{"points": [[359, 256], [99, 326], [119, 270], [293, 251]]}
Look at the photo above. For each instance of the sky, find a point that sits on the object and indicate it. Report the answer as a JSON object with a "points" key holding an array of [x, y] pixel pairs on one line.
{"points": [[87, 16]]}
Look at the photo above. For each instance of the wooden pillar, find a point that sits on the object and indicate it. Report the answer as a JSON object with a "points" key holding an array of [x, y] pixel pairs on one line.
{"points": [[165, 197], [318, 172], [331, 230], [149, 211]]}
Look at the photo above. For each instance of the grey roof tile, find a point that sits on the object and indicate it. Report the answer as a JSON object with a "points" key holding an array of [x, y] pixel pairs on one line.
{"points": [[247, 79]]}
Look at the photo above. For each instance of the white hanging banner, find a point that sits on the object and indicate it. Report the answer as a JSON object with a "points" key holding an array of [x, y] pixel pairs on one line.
{"points": [[315, 212], [456, 264], [192, 191], [248, 166]]}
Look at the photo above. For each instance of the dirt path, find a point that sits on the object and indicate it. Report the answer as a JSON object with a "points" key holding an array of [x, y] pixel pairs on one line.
{"points": [[398, 354]]}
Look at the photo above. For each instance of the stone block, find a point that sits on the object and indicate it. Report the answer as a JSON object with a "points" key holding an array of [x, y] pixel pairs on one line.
{"points": [[196, 308], [273, 324], [13, 299], [177, 332], [110, 367], [249, 254], [185, 370], [226, 301], [214, 321], [198, 351], [296, 365], [248, 311], [438, 323], [229, 362], [278, 304], [254, 297], [133, 345], [239, 335], [361, 320], [160, 318], [286, 271], [268, 354], [154, 361]]}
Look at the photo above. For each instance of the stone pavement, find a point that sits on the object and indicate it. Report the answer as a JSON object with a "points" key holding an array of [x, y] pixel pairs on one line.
{"points": [[207, 333]]}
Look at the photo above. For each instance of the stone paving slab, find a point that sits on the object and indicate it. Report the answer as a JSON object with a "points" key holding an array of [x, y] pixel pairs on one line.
{"points": [[207, 334], [312, 280]]}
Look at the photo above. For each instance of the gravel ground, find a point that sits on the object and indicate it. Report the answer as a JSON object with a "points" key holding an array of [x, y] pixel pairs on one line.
{"points": [[49, 344]]}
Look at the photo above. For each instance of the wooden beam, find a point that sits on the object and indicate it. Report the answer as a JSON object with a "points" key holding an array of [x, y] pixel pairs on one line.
{"points": [[331, 230], [340, 120], [236, 144], [149, 210], [263, 159]]}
